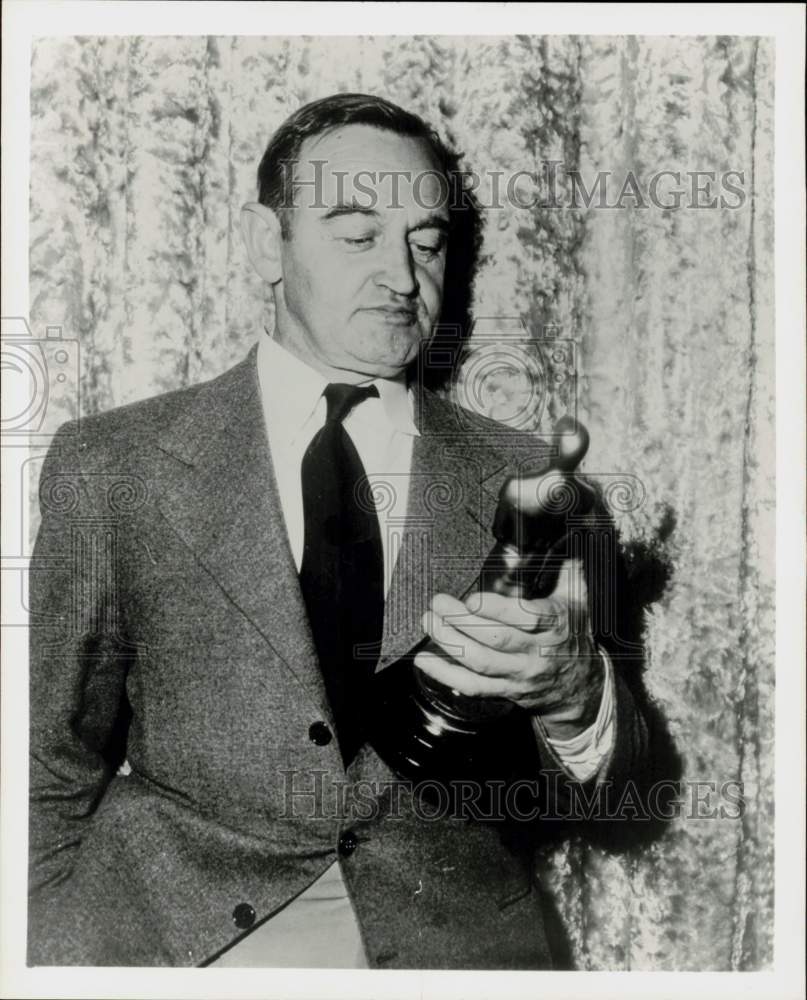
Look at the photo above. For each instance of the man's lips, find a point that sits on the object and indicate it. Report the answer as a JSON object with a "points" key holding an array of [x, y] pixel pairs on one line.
{"points": [[394, 314]]}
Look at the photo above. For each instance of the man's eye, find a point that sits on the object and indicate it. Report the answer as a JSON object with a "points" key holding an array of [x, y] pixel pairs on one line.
{"points": [[358, 241], [427, 251]]}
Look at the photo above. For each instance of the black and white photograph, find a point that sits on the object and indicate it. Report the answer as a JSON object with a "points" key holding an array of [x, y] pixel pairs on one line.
{"points": [[403, 500]]}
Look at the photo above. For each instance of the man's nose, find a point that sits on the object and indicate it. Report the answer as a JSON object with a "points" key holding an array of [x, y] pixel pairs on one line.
{"points": [[396, 271]]}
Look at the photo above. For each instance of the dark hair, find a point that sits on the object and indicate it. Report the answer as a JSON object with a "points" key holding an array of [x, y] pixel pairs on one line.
{"points": [[319, 117]]}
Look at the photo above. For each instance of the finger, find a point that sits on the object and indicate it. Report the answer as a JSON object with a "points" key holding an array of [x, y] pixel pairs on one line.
{"points": [[540, 615], [458, 678], [484, 630], [467, 650]]}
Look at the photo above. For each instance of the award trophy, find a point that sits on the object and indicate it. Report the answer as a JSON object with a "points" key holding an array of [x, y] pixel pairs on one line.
{"points": [[424, 730]]}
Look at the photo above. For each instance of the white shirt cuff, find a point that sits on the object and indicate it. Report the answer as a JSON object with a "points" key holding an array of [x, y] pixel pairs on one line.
{"points": [[583, 755]]}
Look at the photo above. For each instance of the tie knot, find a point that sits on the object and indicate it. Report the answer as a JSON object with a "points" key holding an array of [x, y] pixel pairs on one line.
{"points": [[341, 398]]}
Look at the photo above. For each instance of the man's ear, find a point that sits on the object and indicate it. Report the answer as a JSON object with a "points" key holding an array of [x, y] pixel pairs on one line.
{"points": [[260, 228]]}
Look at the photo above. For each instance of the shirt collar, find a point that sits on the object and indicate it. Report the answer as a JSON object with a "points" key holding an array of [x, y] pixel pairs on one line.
{"points": [[291, 390]]}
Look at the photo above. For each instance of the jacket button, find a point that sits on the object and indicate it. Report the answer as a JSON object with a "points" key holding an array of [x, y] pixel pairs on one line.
{"points": [[243, 916], [320, 734], [348, 843]]}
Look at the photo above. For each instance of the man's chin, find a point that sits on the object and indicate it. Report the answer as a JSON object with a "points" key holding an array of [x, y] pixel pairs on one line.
{"points": [[381, 369], [390, 356]]}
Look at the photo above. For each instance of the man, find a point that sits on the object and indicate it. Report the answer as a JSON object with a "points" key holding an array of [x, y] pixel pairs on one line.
{"points": [[210, 600]]}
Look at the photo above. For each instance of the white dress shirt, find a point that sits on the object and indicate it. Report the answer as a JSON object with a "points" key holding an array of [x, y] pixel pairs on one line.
{"points": [[382, 429], [319, 928]]}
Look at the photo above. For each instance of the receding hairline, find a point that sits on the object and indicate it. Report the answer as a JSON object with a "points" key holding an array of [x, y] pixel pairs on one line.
{"points": [[295, 142], [310, 141]]}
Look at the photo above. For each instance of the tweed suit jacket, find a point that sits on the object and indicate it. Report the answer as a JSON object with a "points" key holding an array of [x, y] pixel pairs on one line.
{"points": [[168, 628]]}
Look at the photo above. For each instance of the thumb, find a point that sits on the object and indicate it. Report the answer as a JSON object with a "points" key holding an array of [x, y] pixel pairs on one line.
{"points": [[571, 586]]}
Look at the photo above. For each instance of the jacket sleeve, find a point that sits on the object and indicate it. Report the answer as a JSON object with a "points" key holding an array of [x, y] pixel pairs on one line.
{"points": [[77, 663], [642, 758]]}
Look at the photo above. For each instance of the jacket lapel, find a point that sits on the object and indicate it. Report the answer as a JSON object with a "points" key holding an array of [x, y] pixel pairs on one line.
{"points": [[221, 497], [452, 498]]}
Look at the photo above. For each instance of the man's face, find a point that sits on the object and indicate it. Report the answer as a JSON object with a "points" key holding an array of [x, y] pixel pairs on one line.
{"points": [[363, 265]]}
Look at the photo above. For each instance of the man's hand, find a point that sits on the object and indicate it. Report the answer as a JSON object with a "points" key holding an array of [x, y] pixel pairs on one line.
{"points": [[540, 654]]}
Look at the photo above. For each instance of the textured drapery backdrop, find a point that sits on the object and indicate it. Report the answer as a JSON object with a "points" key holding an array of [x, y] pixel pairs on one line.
{"points": [[143, 150]]}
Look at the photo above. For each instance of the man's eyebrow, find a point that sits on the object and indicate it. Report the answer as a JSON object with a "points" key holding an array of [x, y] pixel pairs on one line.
{"points": [[433, 222], [348, 208]]}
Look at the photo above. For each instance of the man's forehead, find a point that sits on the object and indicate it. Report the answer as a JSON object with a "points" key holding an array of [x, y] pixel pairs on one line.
{"points": [[357, 147], [342, 164]]}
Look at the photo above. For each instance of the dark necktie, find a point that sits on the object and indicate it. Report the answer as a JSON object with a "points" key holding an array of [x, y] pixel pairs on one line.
{"points": [[342, 570]]}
